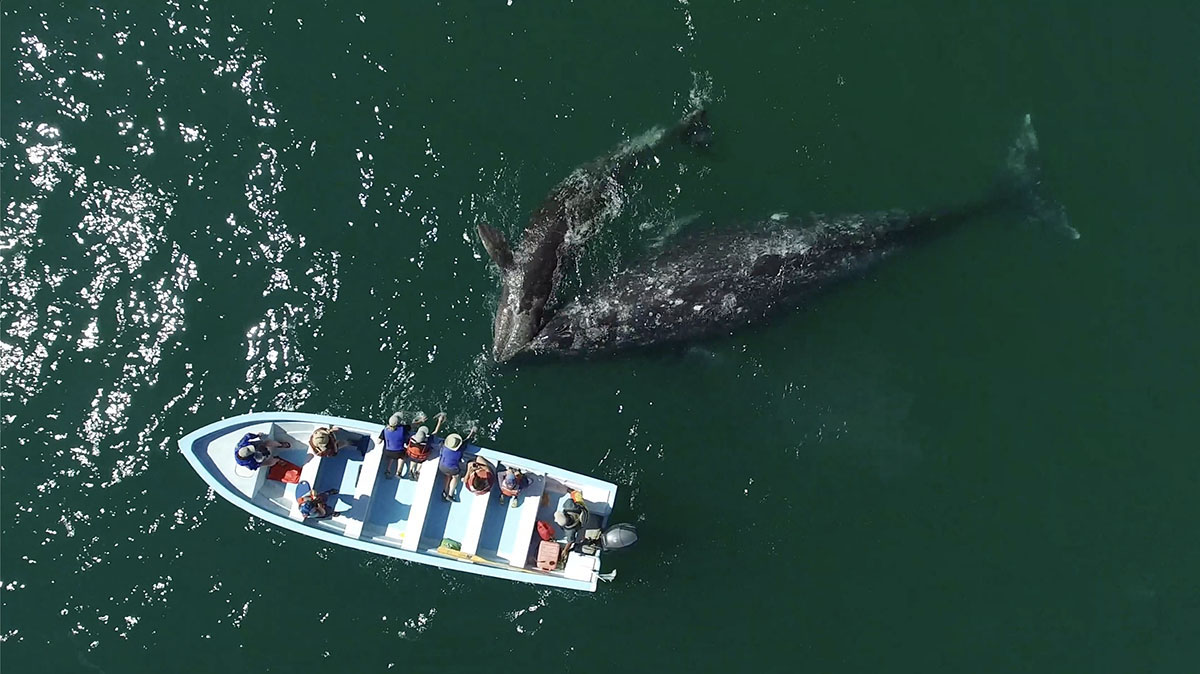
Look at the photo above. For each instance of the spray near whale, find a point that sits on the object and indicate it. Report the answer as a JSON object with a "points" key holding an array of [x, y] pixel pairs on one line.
{"points": [[568, 216]]}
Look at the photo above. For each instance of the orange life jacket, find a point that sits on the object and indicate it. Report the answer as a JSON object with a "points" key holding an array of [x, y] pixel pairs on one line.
{"points": [[520, 484], [480, 475], [417, 452]]}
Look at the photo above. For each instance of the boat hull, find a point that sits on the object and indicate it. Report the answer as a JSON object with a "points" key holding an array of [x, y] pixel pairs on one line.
{"points": [[401, 518]]}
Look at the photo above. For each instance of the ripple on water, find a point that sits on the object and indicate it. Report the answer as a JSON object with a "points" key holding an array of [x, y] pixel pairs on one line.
{"points": [[97, 290]]}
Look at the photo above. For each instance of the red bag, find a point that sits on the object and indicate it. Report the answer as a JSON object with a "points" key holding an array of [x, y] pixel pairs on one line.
{"points": [[284, 471], [545, 530]]}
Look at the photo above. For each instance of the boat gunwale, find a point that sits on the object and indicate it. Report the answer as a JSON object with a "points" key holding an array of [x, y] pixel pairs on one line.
{"points": [[188, 447]]}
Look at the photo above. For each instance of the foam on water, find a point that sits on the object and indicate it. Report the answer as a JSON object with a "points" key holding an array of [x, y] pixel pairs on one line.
{"points": [[96, 292]]}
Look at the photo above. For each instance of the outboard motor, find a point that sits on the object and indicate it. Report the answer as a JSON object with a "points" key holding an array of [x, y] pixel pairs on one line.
{"points": [[618, 536]]}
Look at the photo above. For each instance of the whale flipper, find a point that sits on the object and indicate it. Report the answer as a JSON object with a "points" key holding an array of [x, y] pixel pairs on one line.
{"points": [[1024, 174], [496, 246]]}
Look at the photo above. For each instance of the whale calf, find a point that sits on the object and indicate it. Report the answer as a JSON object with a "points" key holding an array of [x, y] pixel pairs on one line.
{"points": [[713, 284], [572, 212]]}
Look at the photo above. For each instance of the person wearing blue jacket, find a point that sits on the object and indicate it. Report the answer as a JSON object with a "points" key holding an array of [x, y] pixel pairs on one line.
{"points": [[450, 464], [254, 451], [392, 438]]}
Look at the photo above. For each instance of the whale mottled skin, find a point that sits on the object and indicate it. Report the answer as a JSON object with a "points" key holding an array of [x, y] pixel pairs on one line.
{"points": [[721, 281], [572, 212]]}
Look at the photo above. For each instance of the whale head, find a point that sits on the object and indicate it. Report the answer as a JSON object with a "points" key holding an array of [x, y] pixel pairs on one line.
{"points": [[512, 329], [517, 318]]}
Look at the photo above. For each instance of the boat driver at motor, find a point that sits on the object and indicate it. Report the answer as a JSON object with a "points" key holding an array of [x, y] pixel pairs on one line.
{"points": [[572, 518]]}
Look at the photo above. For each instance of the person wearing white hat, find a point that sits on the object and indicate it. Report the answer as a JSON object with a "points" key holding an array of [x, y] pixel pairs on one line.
{"points": [[417, 449], [571, 519], [327, 441], [254, 450], [450, 464], [392, 439]]}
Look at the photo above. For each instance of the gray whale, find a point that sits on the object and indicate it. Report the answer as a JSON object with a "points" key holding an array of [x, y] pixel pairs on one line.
{"points": [[721, 281], [572, 211]]}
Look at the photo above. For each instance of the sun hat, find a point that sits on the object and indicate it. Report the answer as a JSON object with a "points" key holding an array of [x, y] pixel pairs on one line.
{"points": [[394, 421], [561, 518], [320, 437], [480, 479], [453, 441], [245, 452], [421, 434]]}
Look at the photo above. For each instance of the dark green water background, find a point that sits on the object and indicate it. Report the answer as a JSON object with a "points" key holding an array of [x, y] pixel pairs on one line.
{"points": [[979, 458]]}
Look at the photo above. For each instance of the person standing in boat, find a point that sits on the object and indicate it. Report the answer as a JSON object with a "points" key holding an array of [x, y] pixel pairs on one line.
{"points": [[417, 449], [392, 438], [327, 441], [572, 518], [512, 481], [254, 451], [450, 464]]}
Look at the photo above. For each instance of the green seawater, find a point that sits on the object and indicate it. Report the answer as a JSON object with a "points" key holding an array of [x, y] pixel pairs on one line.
{"points": [[980, 457]]}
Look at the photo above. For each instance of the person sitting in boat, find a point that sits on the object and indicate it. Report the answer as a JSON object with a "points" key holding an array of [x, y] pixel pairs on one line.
{"points": [[512, 481], [392, 438], [417, 449], [327, 441], [254, 450], [480, 476], [450, 464], [316, 506]]}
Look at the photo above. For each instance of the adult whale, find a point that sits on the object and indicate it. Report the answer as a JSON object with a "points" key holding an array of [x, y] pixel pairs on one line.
{"points": [[716, 283], [572, 211]]}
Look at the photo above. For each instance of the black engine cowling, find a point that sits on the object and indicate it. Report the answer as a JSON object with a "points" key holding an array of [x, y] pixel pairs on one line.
{"points": [[618, 536]]}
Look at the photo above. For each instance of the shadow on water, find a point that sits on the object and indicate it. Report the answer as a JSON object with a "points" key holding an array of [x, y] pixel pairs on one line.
{"points": [[388, 509]]}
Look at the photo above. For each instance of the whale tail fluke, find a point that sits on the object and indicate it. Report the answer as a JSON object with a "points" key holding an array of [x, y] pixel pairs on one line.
{"points": [[1023, 178]]}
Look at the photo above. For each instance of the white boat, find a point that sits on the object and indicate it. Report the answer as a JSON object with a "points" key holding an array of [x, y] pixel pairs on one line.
{"points": [[403, 518]]}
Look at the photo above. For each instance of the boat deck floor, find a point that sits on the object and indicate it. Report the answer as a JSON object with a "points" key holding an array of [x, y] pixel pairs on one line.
{"points": [[386, 512]]}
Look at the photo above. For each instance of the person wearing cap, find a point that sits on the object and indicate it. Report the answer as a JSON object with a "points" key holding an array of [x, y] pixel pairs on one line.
{"points": [[480, 476], [254, 451], [316, 506], [571, 519], [417, 450], [450, 464], [512, 481], [392, 438], [327, 441]]}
